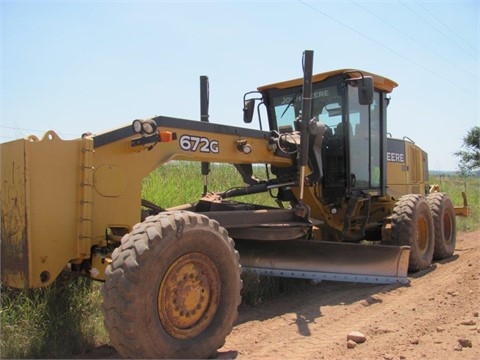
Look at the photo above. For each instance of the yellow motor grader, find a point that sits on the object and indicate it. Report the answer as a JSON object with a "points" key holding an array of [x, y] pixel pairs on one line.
{"points": [[353, 205]]}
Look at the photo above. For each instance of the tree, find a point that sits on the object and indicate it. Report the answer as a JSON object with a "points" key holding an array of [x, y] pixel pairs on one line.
{"points": [[470, 158]]}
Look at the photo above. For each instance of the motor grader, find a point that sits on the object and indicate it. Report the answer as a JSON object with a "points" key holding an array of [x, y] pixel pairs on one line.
{"points": [[353, 205]]}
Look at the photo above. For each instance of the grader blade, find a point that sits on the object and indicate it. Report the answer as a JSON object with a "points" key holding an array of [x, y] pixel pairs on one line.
{"points": [[378, 264]]}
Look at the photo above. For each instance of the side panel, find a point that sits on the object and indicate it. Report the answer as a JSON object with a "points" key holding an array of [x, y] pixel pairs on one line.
{"points": [[14, 230], [407, 168], [397, 168], [41, 218], [417, 164]]}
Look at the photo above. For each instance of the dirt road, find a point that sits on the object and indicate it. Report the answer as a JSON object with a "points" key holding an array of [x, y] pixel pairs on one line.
{"points": [[428, 319], [419, 321]]}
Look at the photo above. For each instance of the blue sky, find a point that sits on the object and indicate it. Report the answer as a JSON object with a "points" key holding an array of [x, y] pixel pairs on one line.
{"points": [[78, 66]]}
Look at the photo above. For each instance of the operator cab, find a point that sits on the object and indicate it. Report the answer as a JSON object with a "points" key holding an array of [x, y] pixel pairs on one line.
{"points": [[354, 130]]}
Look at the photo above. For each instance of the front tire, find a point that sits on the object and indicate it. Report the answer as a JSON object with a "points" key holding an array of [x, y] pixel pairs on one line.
{"points": [[444, 222], [173, 288], [412, 225]]}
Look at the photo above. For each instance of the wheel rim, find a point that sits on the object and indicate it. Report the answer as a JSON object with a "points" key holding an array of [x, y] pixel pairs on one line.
{"points": [[422, 234], [188, 295], [447, 227]]}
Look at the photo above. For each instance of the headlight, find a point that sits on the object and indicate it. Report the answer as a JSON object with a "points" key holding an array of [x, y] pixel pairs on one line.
{"points": [[137, 126], [147, 127]]}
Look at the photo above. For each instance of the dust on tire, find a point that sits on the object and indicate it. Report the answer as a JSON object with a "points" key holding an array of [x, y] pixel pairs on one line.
{"points": [[444, 222], [412, 225], [133, 280]]}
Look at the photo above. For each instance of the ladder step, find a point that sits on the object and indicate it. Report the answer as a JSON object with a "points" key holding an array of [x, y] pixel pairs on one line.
{"points": [[354, 226]]}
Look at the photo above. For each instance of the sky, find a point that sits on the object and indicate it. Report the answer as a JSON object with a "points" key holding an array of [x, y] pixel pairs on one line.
{"points": [[92, 66]]}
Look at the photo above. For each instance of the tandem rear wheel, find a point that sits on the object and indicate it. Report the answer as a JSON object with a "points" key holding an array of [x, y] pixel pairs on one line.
{"points": [[427, 225], [173, 288], [444, 222], [412, 225]]}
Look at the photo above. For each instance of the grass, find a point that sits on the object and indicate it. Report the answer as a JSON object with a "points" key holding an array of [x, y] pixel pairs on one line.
{"points": [[162, 188], [52, 322], [454, 186], [64, 320]]}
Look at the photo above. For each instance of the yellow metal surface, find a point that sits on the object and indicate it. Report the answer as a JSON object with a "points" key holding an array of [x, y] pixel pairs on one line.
{"points": [[462, 211], [41, 216], [189, 295], [121, 209], [397, 179], [110, 180], [60, 198], [465, 209], [380, 82], [14, 246], [409, 176]]}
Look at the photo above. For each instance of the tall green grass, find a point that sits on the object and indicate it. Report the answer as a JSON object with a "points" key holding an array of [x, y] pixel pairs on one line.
{"points": [[64, 320], [54, 322], [454, 186], [180, 182]]}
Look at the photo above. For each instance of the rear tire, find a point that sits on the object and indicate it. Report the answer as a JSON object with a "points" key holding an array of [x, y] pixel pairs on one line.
{"points": [[173, 288], [444, 222], [412, 225]]}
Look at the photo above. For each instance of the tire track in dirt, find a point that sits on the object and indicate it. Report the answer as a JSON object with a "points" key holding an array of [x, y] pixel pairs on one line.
{"points": [[418, 321], [421, 320]]}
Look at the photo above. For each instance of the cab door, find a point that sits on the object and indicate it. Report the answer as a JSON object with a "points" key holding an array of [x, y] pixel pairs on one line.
{"points": [[365, 134]]}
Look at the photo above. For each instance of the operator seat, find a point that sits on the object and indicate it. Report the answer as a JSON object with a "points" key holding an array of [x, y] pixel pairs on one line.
{"points": [[315, 153]]}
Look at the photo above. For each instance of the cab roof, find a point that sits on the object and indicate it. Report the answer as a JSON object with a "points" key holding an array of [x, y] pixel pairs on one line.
{"points": [[380, 82]]}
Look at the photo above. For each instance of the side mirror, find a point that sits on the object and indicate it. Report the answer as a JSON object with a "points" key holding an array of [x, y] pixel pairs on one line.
{"points": [[248, 108], [365, 90]]}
